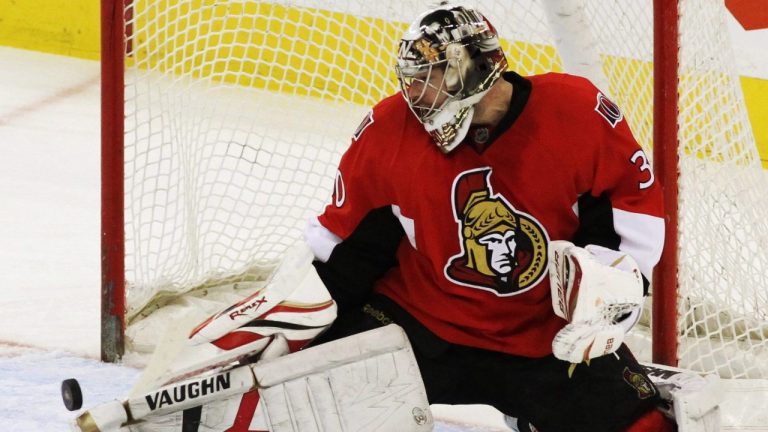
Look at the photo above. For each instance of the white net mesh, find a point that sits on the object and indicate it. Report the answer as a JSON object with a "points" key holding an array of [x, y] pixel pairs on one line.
{"points": [[723, 284], [237, 113]]}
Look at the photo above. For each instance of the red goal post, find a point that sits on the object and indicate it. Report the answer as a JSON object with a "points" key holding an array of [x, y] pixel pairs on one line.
{"points": [[113, 52], [210, 107], [665, 162]]}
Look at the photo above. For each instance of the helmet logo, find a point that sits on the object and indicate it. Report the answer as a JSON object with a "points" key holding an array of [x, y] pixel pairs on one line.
{"points": [[429, 53], [502, 250]]}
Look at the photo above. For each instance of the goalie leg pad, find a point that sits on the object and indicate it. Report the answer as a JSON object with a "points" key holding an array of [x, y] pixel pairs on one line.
{"points": [[695, 400], [696, 403], [366, 382]]}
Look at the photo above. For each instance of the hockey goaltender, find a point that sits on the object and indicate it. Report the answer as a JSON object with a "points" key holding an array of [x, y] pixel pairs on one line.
{"points": [[489, 241]]}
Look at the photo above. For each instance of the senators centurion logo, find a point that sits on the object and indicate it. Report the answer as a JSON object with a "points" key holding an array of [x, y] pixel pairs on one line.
{"points": [[640, 383], [503, 250]]}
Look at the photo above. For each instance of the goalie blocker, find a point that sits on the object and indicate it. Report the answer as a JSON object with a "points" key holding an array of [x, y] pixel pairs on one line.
{"points": [[366, 382]]}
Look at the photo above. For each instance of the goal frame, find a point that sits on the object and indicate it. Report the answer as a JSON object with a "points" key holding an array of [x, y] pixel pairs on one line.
{"points": [[113, 284], [666, 47], [113, 307]]}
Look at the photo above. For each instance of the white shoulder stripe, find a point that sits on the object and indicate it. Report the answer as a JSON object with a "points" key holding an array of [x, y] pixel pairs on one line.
{"points": [[320, 240], [407, 223], [642, 237]]}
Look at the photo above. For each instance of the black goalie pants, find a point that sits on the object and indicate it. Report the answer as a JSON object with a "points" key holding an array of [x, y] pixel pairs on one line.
{"points": [[608, 394]]}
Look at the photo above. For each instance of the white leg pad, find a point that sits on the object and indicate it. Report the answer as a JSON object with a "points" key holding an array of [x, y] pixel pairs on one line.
{"points": [[698, 409], [695, 399], [367, 382]]}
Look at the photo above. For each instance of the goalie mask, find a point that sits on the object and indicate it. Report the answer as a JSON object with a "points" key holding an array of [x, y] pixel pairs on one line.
{"points": [[447, 60]]}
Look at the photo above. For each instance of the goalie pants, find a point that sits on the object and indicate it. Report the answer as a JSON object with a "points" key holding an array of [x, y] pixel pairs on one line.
{"points": [[608, 394]]}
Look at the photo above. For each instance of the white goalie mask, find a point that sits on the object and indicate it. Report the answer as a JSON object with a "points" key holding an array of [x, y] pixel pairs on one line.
{"points": [[447, 60]]}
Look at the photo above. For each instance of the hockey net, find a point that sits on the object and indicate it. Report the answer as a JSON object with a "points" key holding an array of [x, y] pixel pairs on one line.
{"points": [[236, 114]]}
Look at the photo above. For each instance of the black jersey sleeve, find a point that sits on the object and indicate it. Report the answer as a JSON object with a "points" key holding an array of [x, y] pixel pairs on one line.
{"points": [[362, 258]]}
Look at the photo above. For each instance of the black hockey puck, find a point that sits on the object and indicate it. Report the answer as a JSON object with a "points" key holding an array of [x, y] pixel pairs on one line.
{"points": [[71, 394]]}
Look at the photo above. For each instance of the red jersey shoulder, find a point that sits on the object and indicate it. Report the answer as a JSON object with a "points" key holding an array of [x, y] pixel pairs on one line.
{"points": [[576, 97], [383, 119], [562, 84]]}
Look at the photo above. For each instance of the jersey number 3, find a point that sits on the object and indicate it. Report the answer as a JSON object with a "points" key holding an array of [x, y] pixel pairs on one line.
{"points": [[644, 166]]}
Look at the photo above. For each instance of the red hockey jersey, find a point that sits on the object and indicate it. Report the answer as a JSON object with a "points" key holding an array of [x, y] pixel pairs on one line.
{"points": [[562, 164]]}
